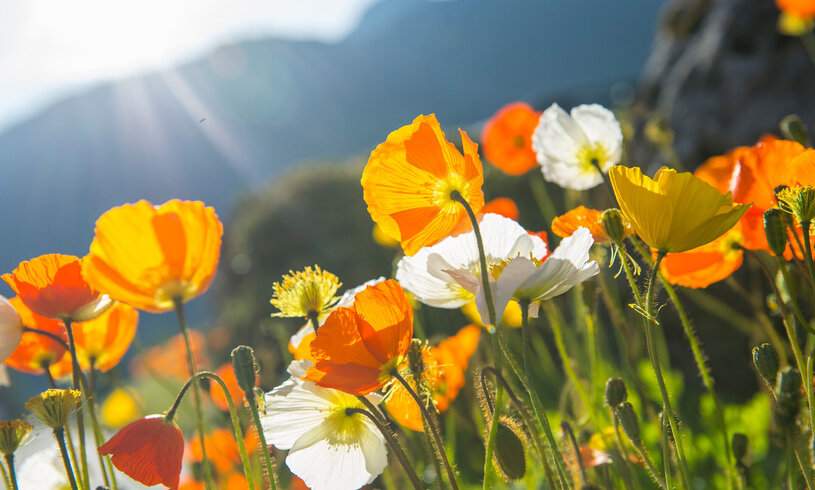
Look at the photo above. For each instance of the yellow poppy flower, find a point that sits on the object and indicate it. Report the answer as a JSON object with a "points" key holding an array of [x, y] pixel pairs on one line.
{"points": [[673, 212]]}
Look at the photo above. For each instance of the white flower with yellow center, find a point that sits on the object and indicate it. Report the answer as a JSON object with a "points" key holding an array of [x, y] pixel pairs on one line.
{"points": [[573, 148], [525, 278], [329, 448], [423, 274]]}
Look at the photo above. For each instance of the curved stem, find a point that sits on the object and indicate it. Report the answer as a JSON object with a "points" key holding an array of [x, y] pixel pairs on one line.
{"points": [[199, 416], [59, 435], [267, 459], [451, 476], [236, 424], [652, 353], [395, 447], [50, 335]]}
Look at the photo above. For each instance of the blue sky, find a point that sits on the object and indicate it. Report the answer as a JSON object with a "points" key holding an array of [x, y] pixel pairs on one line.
{"points": [[50, 48]]}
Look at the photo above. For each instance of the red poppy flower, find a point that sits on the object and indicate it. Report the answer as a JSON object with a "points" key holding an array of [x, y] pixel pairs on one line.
{"points": [[148, 450]]}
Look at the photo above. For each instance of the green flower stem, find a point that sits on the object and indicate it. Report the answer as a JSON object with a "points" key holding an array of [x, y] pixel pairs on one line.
{"points": [[12, 477], [394, 446], [701, 365], [626, 464], [485, 281], [653, 354], [199, 415], [80, 422], [799, 315], [264, 447], [805, 226], [451, 476], [666, 455], [4, 475], [59, 435], [540, 413], [541, 196], [236, 424], [629, 274], [796, 451], [90, 383], [69, 443]]}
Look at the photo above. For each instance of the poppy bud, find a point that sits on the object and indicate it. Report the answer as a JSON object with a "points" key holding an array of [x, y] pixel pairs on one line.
{"points": [[615, 392], [788, 396], [794, 129], [12, 434], [765, 360], [739, 444], [776, 230], [509, 451], [243, 362], [628, 419], [614, 224]]}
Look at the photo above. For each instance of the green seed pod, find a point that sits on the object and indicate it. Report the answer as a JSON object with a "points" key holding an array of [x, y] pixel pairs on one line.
{"points": [[776, 230], [509, 453], [765, 360], [243, 362], [794, 129], [614, 224], [739, 443], [615, 392], [628, 420], [788, 396]]}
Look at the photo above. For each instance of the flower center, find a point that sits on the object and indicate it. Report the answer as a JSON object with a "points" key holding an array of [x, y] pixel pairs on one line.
{"points": [[518, 141], [172, 290], [445, 188], [342, 427], [591, 157], [730, 246]]}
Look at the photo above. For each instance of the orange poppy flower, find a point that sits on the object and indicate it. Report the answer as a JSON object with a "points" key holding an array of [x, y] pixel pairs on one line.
{"points": [[359, 347], [444, 376], [167, 360], [702, 266], [227, 373], [148, 450], [236, 481], [803, 168], [36, 351], [52, 286], [409, 178], [222, 450], [151, 256], [105, 339], [803, 9], [507, 138], [566, 224]]}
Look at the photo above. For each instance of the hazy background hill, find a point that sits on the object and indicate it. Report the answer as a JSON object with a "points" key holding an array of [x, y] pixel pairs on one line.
{"points": [[236, 118]]}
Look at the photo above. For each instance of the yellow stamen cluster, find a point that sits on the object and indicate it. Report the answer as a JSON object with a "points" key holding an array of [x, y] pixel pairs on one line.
{"points": [[305, 293], [800, 201], [444, 190], [12, 435], [54, 407], [592, 156]]}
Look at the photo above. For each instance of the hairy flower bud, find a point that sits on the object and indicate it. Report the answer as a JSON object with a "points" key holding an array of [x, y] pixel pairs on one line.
{"points": [[776, 230], [245, 366], [628, 420], [615, 392], [794, 129], [614, 224], [788, 396], [509, 452], [765, 359]]}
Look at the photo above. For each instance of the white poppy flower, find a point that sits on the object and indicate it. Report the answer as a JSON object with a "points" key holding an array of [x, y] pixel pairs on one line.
{"points": [[567, 145], [328, 448], [525, 279], [423, 274], [11, 329]]}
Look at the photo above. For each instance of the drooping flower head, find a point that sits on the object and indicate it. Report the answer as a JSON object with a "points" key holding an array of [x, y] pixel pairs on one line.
{"points": [[673, 212], [36, 352], [305, 293], [409, 180], [149, 450], [358, 347], [52, 286], [507, 138], [444, 368], [329, 448], [11, 329], [524, 278], [423, 274], [573, 148], [151, 257]]}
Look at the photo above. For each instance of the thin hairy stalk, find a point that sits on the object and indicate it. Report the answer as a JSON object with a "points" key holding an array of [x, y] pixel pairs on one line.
{"points": [[4, 475], [392, 444], [797, 452], [668, 412], [451, 476], [567, 430], [236, 424], [799, 315], [97, 432], [264, 447], [80, 422], [12, 476], [199, 414], [626, 464], [701, 365], [59, 436]]}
